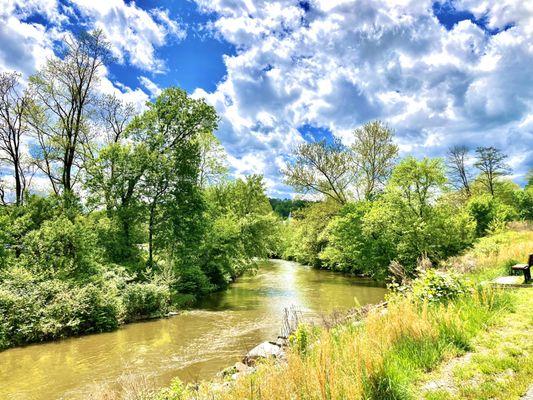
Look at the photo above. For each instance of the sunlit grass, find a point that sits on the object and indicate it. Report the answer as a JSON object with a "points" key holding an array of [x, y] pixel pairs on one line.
{"points": [[501, 362]]}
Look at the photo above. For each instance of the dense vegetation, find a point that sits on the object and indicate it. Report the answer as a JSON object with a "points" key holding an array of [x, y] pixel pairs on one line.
{"points": [[140, 217], [285, 207], [381, 213]]}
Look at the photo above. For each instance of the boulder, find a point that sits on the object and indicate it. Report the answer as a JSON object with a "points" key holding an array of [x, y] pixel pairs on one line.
{"points": [[264, 350]]}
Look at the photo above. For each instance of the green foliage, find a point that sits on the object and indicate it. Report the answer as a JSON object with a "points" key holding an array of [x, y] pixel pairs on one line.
{"points": [[284, 207], [62, 249], [489, 212], [35, 310], [409, 221], [348, 248], [145, 300], [242, 228], [193, 281], [524, 199], [307, 238], [437, 286], [300, 339]]}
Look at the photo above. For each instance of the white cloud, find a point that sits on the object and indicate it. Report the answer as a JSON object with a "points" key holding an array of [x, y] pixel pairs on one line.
{"points": [[151, 86], [339, 64], [132, 31]]}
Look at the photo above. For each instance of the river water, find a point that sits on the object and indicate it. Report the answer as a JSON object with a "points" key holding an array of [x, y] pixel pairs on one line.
{"points": [[193, 345]]}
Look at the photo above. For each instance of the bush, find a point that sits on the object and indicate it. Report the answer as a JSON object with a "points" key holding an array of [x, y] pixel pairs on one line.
{"points": [[436, 286], [489, 212], [192, 280], [145, 300], [33, 311], [62, 249]]}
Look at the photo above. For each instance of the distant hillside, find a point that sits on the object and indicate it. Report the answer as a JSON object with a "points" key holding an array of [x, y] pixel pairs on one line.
{"points": [[284, 207]]}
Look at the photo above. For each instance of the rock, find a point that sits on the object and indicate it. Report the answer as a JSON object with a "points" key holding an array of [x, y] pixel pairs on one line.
{"points": [[282, 341], [242, 368], [264, 350]]}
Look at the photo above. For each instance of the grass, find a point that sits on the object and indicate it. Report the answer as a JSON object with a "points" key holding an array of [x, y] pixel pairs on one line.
{"points": [[492, 256], [500, 365]]}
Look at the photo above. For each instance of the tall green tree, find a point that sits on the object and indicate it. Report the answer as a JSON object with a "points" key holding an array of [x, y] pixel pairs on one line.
{"points": [[374, 155], [491, 163], [170, 129], [113, 180], [64, 92], [242, 228], [213, 163], [321, 168]]}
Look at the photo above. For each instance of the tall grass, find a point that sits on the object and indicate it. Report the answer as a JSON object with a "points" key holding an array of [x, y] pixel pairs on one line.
{"points": [[493, 255]]}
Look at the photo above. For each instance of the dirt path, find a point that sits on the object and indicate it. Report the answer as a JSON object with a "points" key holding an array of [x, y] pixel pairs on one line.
{"points": [[500, 365]]}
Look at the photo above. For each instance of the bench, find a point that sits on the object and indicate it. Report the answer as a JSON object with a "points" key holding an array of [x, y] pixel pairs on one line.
{"points": [[525, 268]]}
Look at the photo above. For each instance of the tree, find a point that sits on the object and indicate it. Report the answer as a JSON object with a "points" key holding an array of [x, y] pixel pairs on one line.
{"points": [[115, 116], [321, 167], [284, 207], [411, 220], [170, 128], [241, 229], [491, 162], [308, 231], [213, 163], [457, 168], [374, 155], [64, 92], [113, 180], [529, 178], [14, 106], [417, 183]]}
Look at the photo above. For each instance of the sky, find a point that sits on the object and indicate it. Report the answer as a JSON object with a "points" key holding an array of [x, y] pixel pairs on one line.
{"points": [[280, 72]]}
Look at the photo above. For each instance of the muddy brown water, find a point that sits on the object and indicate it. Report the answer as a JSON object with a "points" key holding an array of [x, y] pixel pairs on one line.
{"points": [[193, 345]]}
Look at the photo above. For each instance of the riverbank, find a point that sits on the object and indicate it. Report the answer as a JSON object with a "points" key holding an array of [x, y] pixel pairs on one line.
{"points": [[389, 354]]}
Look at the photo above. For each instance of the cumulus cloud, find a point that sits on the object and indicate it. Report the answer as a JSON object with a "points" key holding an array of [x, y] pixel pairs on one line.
{"points": [[338, 64], [151, 86], [25, 46], [134, 33]]}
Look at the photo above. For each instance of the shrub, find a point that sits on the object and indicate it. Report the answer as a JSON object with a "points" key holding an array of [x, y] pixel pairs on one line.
{"points": [[437, 286], [144, 300], [62, 249], [33, 310], [192, 280], [489, 212]]}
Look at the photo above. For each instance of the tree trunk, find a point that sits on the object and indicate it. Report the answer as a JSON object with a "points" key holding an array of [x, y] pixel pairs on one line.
{"points": [[151, 234], [18, 184]]}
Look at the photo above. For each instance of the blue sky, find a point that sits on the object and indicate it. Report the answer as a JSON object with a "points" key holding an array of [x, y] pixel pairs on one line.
{"points": [[283, 71]]}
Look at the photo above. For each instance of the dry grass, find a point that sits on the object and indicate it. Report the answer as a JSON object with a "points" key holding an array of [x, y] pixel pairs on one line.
{"points": [[492, 255], [127, 387]]}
